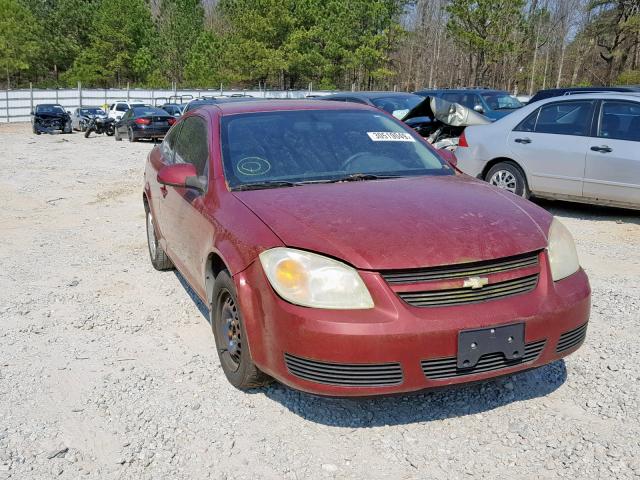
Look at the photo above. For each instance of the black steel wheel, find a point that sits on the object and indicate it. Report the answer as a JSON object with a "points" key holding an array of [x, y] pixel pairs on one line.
{"points": [[231, 337]]}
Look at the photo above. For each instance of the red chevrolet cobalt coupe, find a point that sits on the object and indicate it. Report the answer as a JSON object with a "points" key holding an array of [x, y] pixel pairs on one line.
{"points": [[339, 254]]}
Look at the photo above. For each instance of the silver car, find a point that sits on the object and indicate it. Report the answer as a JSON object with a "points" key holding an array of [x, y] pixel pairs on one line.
{"points": [[582, 148], [81, 116]]}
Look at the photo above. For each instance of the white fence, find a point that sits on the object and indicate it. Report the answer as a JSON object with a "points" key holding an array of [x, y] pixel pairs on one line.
{"points": [[17, 105]]}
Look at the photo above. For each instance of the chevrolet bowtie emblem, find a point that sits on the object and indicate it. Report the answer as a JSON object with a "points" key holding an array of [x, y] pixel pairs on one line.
{"points": [[475, 282]]}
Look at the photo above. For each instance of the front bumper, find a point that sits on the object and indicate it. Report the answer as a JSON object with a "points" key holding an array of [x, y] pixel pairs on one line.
{"points": [[395, 344]]}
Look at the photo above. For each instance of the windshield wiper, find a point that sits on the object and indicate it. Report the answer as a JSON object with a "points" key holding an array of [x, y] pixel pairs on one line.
{"points": [[265, 185], [358, 177]]}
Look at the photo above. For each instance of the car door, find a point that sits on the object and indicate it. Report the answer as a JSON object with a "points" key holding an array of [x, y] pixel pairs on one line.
{"points": [[551, 145], [612, 170], [182, 207]]}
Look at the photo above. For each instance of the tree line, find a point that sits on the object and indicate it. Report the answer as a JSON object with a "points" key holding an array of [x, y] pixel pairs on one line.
{"points": [[518, 45]]}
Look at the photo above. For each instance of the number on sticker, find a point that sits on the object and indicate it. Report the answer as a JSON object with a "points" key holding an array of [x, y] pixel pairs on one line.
{"points": [[391, 137]]}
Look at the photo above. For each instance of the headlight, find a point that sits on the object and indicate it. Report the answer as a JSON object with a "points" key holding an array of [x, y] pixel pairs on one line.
{"points": [[312, 280], [562, 252]]}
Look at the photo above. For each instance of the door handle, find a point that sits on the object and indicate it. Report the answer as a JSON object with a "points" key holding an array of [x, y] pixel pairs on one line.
{"points": [[602, 149], [164, 191], [523, 140]]}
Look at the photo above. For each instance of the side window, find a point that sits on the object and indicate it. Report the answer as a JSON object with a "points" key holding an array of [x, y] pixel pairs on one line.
{"points": [[121, 107], [529, 123], [168, 144], [562, 118], [620, 120], [192, 145]]}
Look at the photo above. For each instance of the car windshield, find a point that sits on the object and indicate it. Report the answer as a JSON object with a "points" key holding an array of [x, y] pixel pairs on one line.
{"points": [[397, 105], [146, 111], [92, 111], [136, 105], [50, 109], [501, 101], [278, 149]]}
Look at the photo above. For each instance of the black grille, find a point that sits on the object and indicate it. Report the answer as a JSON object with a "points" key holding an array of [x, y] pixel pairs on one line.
{"points": [[447, 367], [460, 296], [352, 375], [572, 338], [460, 271]]}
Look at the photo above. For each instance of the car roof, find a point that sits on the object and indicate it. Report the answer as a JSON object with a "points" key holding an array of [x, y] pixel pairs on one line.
{"points": [[462, 90], [617, 88], [368, 95], [256, 106]]}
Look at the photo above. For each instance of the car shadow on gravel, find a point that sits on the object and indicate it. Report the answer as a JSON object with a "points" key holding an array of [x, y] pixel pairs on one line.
{"points": [[425, 406], [204, 311], [589, 212]]}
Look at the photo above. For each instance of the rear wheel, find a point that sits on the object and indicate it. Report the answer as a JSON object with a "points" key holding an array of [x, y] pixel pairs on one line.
{"points": [[132, 137], [510, 177], [159, 258], [117, 134], [231, 337]]}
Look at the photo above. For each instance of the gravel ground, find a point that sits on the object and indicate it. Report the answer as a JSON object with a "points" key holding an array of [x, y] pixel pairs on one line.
{"points": [[107, 367]]}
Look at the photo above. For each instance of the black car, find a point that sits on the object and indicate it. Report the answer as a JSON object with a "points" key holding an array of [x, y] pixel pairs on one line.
{"points": [[144, 122], [559, 92], [198, 102], [48, 117], [174, 109], [397, 104]]}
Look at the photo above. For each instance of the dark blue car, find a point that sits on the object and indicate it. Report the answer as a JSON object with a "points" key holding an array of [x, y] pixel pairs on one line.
{"points": [[493, 104]]}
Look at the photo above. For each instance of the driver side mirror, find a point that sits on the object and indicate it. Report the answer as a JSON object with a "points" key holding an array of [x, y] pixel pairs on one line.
{"points": [[181, 175], [479, 109]]}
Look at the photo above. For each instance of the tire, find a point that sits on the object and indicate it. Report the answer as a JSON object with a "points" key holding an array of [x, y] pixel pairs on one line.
{"points": [[110, 131], [131, 136], [67, 128], [510, 177], [159, 258], [226, 321], [35, 130], [117, 135], [87, 132]]}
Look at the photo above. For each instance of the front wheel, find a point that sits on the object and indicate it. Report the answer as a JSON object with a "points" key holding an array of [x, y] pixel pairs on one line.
{"points": [[510, 177], [67, 128], [110, 130], [231, 337], [87, 132]]}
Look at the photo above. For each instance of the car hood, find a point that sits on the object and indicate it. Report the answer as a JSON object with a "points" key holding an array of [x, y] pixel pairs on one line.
{"points": [[49, 116], [402, 223]]}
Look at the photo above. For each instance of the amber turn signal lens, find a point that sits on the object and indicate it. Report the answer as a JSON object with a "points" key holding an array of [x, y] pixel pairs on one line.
{"points": [[290, 274]]}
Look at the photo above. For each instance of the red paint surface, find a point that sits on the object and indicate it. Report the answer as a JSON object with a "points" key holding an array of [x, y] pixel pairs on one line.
{"points": [[374, 225]]}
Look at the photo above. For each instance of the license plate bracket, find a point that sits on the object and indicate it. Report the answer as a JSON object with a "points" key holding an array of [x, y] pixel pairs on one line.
{"points": [[505, 339]]}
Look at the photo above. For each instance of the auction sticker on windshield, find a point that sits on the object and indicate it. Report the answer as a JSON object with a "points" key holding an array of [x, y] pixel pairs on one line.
{"points": [[391, 137]]}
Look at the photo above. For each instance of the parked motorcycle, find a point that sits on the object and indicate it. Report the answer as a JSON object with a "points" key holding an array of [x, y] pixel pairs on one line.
{"points": [[100, 125], [441, 123]]}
